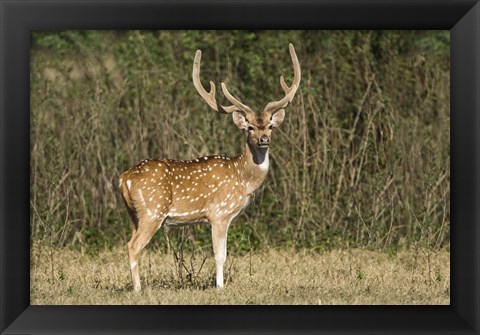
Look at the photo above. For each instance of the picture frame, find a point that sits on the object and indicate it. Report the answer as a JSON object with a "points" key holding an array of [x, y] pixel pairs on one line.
{"points": [[19, 18]]}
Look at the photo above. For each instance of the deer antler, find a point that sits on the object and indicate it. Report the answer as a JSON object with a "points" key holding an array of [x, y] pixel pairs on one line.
{"points": [[289, 90], [209, 97], [235, 102]]}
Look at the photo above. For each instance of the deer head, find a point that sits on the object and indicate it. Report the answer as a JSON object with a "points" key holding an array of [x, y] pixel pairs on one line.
{"points": [[259, 127]]}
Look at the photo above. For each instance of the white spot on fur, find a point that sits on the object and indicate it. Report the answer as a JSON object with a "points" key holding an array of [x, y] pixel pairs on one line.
{"points": [[141, 196]]}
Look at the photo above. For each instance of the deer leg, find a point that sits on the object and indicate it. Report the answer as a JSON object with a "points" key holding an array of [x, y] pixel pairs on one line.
{"points": [[140, 238], [219, 240]]}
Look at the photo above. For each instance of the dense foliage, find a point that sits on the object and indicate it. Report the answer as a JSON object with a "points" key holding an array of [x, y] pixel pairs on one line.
{"points": [[362, 158]]}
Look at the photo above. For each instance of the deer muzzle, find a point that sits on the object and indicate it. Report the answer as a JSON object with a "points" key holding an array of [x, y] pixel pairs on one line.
{"points": [[264, 141]]}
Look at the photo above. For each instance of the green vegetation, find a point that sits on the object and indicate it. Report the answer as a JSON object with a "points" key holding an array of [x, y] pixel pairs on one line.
{"points": [[362, 159]]}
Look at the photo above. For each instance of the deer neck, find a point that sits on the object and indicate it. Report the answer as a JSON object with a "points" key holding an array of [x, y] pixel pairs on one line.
{"points": [[254, 164]]}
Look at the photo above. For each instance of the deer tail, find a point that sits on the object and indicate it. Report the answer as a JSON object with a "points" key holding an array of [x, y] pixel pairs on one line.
{"points": [[125, 192]]}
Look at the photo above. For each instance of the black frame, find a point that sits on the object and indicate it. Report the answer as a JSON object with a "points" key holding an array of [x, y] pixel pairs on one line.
{"points": [[19, 17]]}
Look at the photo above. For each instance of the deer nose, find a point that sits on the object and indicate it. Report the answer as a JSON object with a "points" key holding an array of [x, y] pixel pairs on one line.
{"points": [[264, 140]]}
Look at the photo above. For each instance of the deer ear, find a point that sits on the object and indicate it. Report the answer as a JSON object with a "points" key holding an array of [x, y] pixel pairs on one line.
{"points": [[240, 120], [278, 117]]}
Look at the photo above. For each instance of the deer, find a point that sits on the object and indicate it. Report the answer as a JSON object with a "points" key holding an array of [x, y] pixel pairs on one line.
{"points": [[213, 189]]}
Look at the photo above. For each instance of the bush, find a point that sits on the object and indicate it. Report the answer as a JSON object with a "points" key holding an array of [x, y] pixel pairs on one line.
{"points": [[361, 160]]}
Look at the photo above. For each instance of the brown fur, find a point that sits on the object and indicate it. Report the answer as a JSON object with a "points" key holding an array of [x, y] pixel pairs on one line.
{"points": [[213, 189]]}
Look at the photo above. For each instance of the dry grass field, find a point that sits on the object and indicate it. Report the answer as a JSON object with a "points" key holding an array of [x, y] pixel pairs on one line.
{"points": [[362, 161], [338, 277]]}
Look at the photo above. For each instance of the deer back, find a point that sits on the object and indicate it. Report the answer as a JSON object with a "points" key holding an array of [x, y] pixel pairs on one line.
{"points": [[185, 191]]}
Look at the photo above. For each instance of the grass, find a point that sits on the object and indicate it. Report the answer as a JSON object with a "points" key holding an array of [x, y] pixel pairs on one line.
{"points": [[338, 277]]}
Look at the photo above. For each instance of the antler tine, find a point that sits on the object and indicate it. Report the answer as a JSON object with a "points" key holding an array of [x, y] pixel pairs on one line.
{"points": [[209, 97], [237, 103], [289, 90], [296, 71]]}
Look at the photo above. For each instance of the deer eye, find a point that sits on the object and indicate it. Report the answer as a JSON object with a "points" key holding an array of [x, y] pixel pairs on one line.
{"points": [[250, 128], [270, 126]]}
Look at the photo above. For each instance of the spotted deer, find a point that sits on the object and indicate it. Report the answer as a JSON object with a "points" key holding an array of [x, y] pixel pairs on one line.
{"points": [[210, 189]]}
